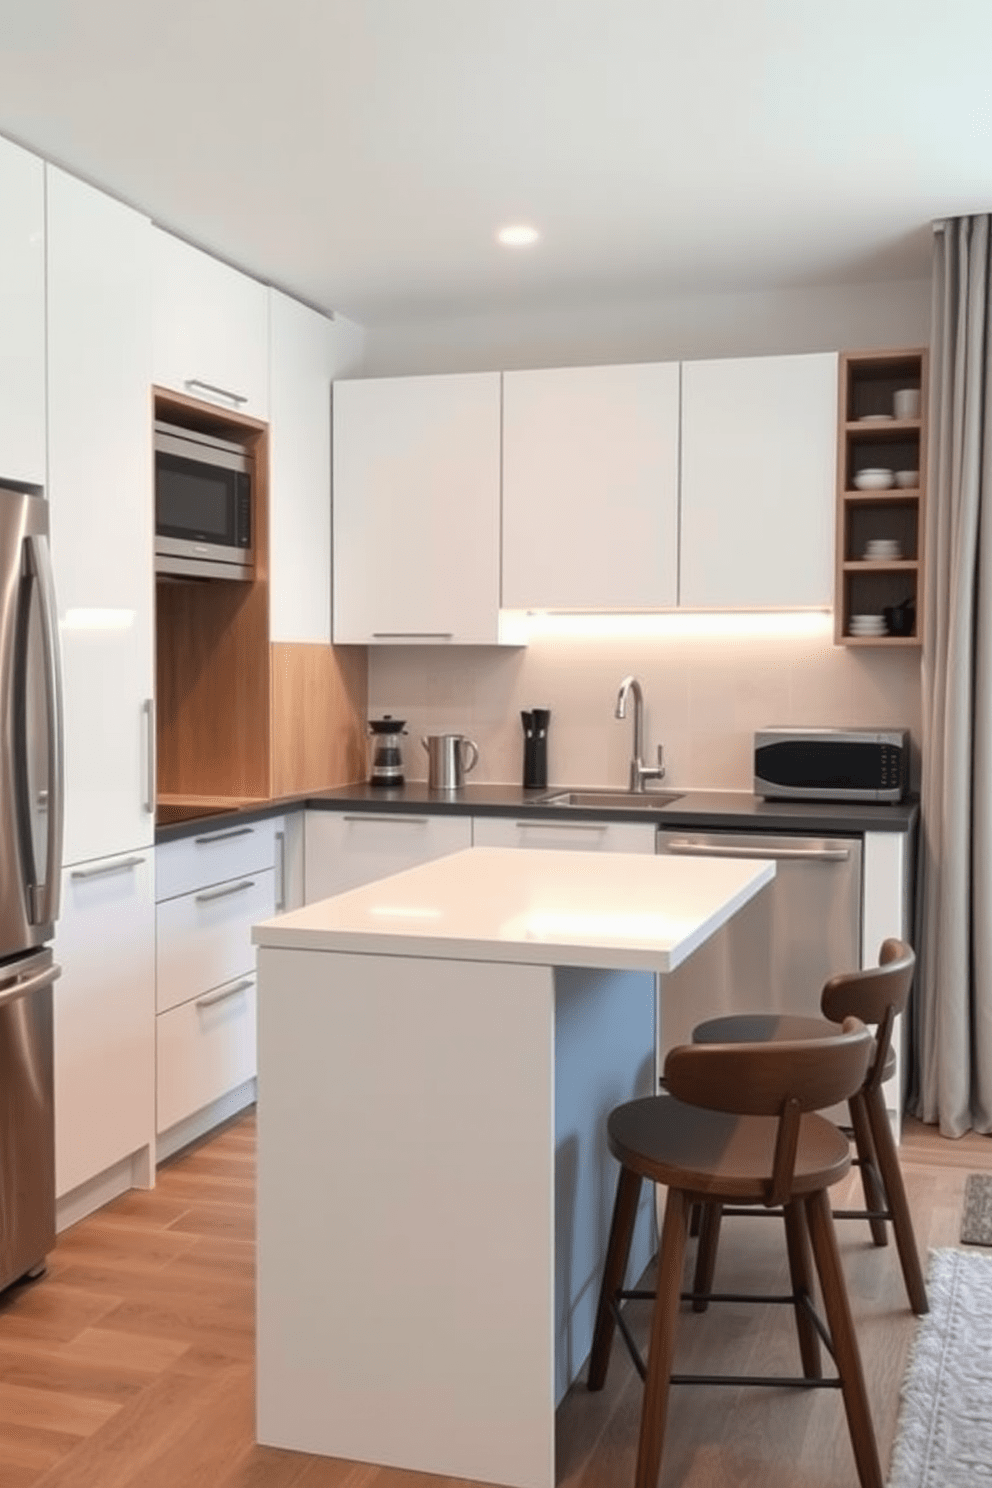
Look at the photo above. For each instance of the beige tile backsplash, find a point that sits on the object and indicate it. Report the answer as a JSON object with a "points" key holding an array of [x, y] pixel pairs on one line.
{"points": [[704, 697]]}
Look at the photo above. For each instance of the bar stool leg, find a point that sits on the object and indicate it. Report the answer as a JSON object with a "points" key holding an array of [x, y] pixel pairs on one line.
{"points": [[871, 1181], [898, 1205], [709, 1239], [848, 1359], [801, 1272], [654, 1410], [614, 1271]]}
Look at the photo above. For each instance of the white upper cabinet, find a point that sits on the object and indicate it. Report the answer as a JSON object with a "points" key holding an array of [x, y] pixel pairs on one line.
{"points": [[758, 459], [22, 315], [416, 510], [307, 351], [100, 484], [211, 328], [591, 487]]}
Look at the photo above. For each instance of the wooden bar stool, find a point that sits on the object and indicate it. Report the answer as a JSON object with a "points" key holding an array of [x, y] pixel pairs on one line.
{"points": [[876, 996], [735, 1128]]}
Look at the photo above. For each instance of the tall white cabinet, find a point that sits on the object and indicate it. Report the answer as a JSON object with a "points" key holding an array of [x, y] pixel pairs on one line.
{"points": [[758, 459], [306, 352], [591, 487], [22, 315], [417, 510], [100, 487]]}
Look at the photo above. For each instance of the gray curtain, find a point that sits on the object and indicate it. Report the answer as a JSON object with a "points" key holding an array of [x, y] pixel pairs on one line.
{"points": [[952, 1014]]}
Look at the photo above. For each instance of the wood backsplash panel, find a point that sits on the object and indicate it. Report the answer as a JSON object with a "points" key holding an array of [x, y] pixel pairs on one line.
{"points": [[319, 710], [212, 689]]}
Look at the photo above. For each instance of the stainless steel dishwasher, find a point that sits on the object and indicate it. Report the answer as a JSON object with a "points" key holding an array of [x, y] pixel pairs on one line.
{"points": [[776, 954]]}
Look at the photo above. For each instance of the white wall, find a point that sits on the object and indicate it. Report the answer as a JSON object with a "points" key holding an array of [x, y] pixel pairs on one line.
{"points": [[853, 317], [705, 696]]}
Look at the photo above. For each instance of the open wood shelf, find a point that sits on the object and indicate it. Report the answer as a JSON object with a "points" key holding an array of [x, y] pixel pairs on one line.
{"points": [[870, 437]]}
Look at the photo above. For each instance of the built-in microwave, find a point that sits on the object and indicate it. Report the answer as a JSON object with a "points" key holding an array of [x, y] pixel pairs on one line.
{"points": [[203, 505]]}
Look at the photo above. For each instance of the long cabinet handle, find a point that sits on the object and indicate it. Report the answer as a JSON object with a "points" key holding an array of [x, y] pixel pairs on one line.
{"points": [[103, 870], [387, 817], [192, 383], [211, 999], [281, 870], [562, 826], [223, 836], [803, 854], [148, 708], [224, 890], [413, 635]]}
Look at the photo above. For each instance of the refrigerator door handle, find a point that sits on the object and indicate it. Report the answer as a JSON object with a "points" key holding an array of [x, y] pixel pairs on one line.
{"points": [[45, 896], [17, 987]]}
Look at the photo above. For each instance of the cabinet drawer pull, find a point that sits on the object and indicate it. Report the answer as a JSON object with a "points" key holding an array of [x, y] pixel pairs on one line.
{"points": [[413, 635], [375, 816], [223, 836], [211, 999], [192, 383], [103, 870], [561, 826], [224, 890]]}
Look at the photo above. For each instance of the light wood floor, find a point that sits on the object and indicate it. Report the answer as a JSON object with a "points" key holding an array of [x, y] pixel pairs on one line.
{"points": [[131, 1362]]}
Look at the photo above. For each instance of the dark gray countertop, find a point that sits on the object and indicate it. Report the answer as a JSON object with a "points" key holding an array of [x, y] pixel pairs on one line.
{"points": [[694, 809]]}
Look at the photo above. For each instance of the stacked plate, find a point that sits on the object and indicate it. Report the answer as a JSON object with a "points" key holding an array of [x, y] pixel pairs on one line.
{"points": [[874, 479], [883, 550], [867, 625]]}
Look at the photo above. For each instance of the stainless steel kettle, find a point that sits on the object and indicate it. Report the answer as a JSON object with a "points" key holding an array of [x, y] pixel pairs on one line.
{"points": [[450, 757]]}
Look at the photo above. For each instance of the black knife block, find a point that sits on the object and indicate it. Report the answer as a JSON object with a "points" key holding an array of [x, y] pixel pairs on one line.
{"points": [[535, 724]]}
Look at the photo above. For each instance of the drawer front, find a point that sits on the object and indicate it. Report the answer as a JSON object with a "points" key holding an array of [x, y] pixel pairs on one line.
{"points": [[205, 1048], [346, 849], [564, 836], [204, 938], [214, 856]]}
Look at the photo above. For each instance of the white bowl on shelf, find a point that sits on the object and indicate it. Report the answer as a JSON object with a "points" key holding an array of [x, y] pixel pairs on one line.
{"points": [[873, 479], [875, 418], [908, 479]]}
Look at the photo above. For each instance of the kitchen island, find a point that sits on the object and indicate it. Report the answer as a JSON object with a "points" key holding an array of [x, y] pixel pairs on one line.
{"points": [[438, 1052]]}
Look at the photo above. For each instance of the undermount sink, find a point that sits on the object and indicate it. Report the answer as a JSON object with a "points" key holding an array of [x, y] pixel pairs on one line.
{"points": [[625, 800]]}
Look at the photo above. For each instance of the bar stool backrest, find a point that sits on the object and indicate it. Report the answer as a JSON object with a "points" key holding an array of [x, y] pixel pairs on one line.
{"points": [[759, 1079], [876, 995]]}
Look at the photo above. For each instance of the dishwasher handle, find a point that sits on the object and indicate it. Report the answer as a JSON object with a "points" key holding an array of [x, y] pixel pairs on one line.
{"points": [[687, 848]]}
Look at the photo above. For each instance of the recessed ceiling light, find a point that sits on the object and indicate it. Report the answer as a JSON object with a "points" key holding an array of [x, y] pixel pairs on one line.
{"points": [[517, 235]]}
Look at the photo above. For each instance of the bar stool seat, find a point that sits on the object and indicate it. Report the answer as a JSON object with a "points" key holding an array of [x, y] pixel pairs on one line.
{"points": [[739, 1126], [876, 996]]}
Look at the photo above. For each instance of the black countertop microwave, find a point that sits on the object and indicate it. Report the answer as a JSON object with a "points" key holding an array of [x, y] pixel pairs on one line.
{"points": [[831, 764], [203, 505]]}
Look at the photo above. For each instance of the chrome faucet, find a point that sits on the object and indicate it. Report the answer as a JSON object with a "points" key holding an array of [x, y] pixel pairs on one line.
{"points": [[639, 771]]}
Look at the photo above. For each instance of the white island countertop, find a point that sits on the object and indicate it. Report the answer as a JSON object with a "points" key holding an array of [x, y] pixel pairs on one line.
{"points": [[612, 910]]}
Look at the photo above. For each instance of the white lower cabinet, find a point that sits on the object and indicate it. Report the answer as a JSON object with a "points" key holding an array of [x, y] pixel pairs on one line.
{"points": [[212, 887], [343, 849], [570, 836], [105, 1019], [205, 1048]]}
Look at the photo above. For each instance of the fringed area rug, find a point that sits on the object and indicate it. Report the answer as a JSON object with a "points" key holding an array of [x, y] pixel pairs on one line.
{"points": [[944, 1431], [976, 1221]]}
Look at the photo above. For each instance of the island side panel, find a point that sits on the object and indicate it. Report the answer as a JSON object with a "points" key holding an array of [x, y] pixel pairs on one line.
{"points": [[604, 1055], [405, 1207]]}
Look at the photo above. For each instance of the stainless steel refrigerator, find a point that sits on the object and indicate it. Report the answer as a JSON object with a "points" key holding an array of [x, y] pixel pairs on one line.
{"points": [[31, 814]]}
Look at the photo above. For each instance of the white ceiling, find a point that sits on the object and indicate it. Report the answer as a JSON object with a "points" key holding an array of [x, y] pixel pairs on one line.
{"points": [[362, 153]]}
